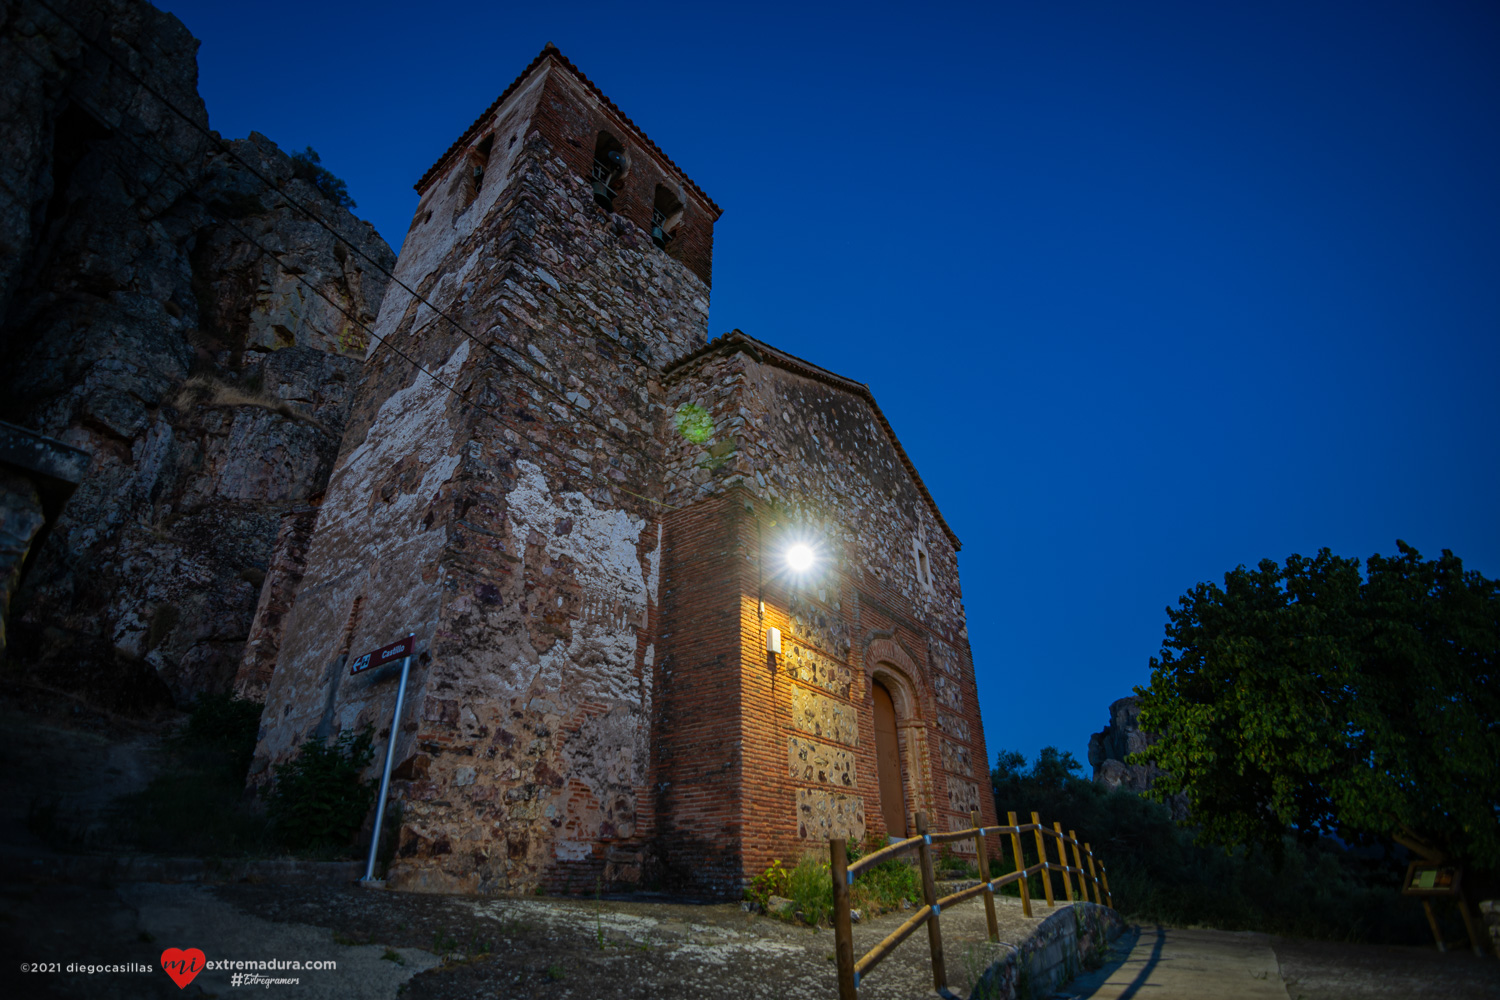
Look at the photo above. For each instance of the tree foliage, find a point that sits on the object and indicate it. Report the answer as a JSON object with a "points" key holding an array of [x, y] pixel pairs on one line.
{"points": [[1314, 699], [308, 165]]}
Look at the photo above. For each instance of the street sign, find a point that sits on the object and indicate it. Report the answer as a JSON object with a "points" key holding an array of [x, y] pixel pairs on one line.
{"points": [[385, 654]]}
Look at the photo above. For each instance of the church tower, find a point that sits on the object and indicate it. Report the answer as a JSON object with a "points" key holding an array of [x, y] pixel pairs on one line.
{"points": [[582, 508], [498, 494]]}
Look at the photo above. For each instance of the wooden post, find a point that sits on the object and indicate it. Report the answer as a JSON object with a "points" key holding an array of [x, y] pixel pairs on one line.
{"points": [[1471, 926], [929, 892], [1015, 843], [1083, 889], [1437, 935], [984, 873], [1041, 853], [843, 931], [1109, 897], [1062, 854], [1093, 874]]}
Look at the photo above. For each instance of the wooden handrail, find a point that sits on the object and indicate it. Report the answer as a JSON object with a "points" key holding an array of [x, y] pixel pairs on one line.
{"points": [[875, 955], [886, 853], [948, 838], [963, 894], [850, 971]]}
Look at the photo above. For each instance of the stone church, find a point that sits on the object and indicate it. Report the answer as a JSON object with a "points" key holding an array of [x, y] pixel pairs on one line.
{"points": [[584, 510]]}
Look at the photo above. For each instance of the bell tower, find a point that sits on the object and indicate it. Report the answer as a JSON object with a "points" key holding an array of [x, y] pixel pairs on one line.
{"points": [[499, 492]]}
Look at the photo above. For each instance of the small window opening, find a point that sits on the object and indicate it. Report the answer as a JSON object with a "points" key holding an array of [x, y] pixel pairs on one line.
{"points": [[666, 213], [923, 566], [609, 166], [471, 178]]}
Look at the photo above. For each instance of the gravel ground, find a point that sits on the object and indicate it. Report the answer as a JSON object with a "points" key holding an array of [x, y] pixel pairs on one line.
{"points": [[451, 947]]}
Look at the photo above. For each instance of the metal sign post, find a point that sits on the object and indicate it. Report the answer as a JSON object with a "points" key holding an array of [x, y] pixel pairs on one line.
{"points": [[375, 658]]}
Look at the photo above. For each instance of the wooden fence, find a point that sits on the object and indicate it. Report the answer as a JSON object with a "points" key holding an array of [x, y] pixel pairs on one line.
{"points": [[850, 971]]}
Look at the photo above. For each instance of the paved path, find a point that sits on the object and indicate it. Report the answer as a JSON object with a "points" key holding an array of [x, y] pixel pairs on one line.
{"points": [[1155, 963], [1158, 963]]}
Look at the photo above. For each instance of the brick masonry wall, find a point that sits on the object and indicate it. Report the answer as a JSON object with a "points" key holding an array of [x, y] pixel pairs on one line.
{"points": [[516, 534], [818, 465], [580, 537], [703, 784]]}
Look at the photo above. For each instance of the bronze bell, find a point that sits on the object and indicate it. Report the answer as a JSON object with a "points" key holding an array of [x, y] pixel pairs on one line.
{"points": [[659, 237], [603, 196]]}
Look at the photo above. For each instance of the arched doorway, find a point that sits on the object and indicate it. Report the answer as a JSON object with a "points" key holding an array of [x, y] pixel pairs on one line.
{"points": [[888, 763]]}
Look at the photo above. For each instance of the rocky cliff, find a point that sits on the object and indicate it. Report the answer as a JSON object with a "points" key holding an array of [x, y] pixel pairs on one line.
{"points": [[1109, 747], [209, 378]]}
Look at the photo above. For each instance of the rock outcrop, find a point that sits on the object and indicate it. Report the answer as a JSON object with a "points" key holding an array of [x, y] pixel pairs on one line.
{"points": [[208, 377], [1109, 747]]}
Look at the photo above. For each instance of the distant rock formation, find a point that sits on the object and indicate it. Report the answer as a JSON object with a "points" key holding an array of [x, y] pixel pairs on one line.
{"points": [[209, 380], [1109, 747]]}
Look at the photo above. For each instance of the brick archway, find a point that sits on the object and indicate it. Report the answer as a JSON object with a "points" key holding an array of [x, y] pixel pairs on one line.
{"points": [[889, 651], [890, 666]]}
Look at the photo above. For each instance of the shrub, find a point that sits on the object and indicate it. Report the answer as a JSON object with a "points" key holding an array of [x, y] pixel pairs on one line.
{"points": [[320, 799], [884, 886], [771, 882], [195, 807], [308, 165], [221, 726], [1159, 873], [810, 887]]}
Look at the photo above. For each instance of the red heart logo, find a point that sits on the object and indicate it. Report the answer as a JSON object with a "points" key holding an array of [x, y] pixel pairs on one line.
{"points": [[183, 965]]}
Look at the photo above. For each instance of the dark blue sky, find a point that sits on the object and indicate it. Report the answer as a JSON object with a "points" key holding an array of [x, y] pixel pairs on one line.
{"points": [[1148, 290]]}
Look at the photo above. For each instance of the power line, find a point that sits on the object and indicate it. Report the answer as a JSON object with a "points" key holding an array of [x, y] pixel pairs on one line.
{"points": [[384, 342], [224, 147]]}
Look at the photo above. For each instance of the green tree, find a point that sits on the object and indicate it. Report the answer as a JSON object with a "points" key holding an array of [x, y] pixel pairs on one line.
{"points": [[1314, 699], [308, 165]]}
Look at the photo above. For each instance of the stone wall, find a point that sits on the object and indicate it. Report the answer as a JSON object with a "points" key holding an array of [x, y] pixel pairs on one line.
{"points": [[207, 379], [510, 523], [808, 456], [578, 506]]}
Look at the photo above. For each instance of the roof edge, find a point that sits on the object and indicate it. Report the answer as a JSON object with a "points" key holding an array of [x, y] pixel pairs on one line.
{"points": [[738, 341], [551, 52]]}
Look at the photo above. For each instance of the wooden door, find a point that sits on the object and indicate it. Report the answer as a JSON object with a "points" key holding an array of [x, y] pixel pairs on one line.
{"points": [[888, 764]]}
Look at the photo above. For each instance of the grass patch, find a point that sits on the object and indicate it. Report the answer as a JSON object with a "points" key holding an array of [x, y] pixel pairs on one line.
{"points": [[809, 885]]}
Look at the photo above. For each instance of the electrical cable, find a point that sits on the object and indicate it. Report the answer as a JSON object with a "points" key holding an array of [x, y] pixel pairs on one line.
{"points": [[564, 463], [227, 150]]}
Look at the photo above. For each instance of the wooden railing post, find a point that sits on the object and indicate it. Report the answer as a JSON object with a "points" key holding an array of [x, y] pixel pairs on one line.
{"points": [[1109, 897], [1062, 854], [843, 931], [1041, 854], [984, 873], [1093, 874], [1015, 843], [929, 892], [1083, 889]]}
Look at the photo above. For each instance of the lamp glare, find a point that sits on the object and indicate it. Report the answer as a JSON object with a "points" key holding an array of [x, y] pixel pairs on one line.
{"points": [[799, 558]]}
